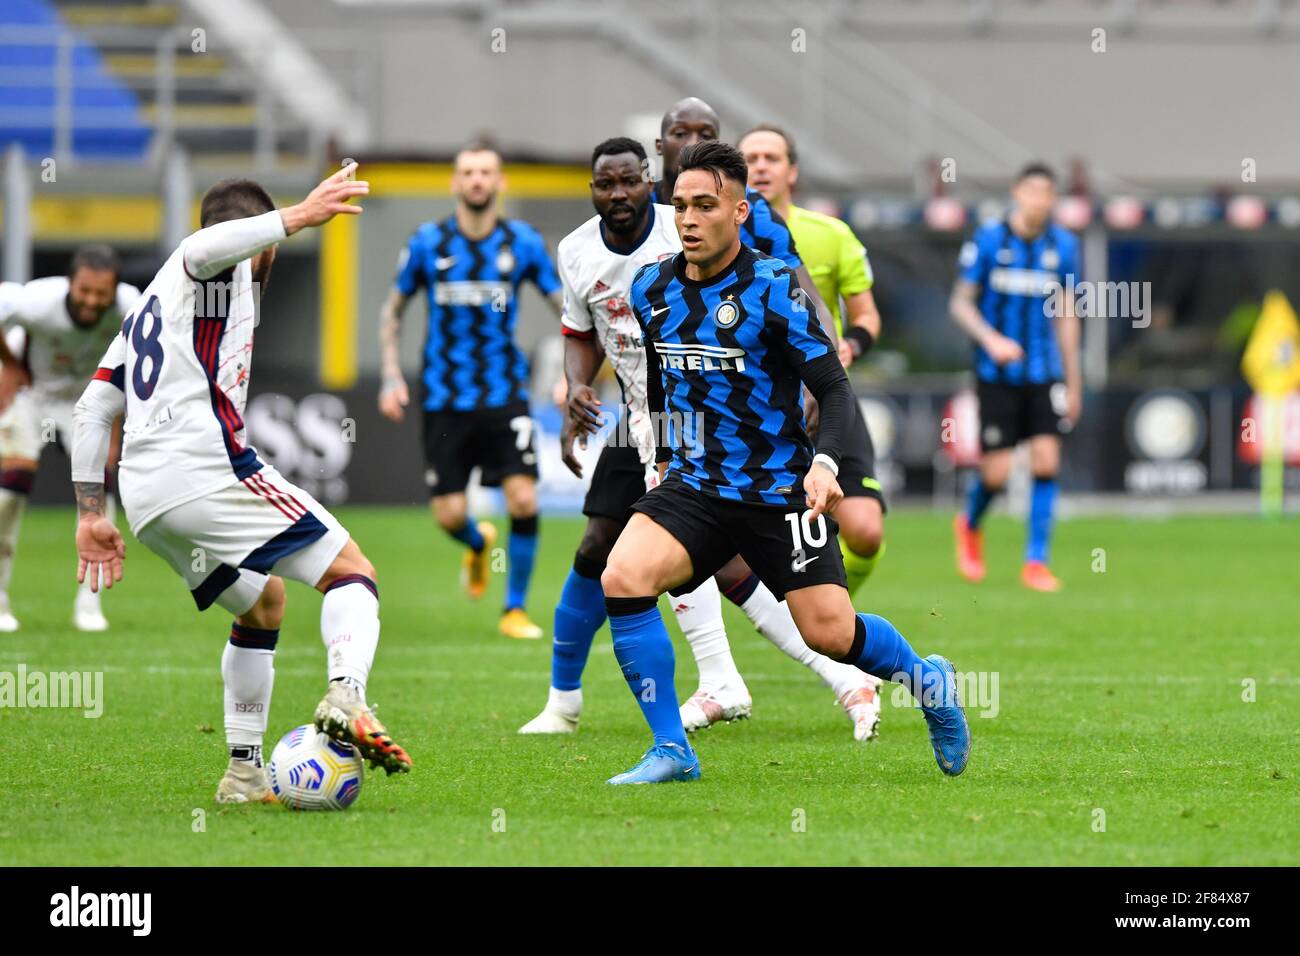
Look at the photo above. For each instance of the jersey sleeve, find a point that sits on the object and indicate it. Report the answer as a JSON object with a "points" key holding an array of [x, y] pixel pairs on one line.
{"points": [[975, 259], [1070, 264], [410, 267], [576, 317], [769, 232], [112, 367], [127, 297], [541, 270], [794, 321], [853, 271]]}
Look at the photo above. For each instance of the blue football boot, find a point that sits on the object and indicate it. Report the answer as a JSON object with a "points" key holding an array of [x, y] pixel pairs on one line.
{"points": [[949, 732], [662, 763]]}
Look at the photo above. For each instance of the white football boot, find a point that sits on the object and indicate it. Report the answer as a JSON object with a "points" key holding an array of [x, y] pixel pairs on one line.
{"points": [[8, 622], [705, 708], [244, 783], [863, 707], [559, 716]]}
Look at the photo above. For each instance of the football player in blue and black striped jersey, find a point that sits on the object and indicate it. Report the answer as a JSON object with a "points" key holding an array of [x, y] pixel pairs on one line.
{"points": [[475, 377], [730, 343], [1010, 299]]}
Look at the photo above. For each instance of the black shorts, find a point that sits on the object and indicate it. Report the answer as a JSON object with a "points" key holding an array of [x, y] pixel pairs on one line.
{"points": [[857, 476], [783, 548], [1009, 414], [497, 440], [616, 485]]}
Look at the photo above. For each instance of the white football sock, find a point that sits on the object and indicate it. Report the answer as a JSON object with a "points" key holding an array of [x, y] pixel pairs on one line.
{"points": [[772, 619], [565, 701], [12, 506], [349, 626], [699, 615], [249, 673]]}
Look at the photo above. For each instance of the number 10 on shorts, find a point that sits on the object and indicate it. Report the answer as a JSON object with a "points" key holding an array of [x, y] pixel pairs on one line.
{"points": [[804, 535]]}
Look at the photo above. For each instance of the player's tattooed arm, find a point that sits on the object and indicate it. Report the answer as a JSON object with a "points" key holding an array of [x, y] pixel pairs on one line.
{"points": [[393, 394], [90, 497], [1067, 335]]}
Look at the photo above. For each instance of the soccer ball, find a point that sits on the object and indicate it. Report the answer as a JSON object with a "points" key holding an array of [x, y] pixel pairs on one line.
{"points": [[309, 771]]}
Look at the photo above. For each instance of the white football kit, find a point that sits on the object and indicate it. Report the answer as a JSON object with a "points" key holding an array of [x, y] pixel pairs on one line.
{"points": [[61, 356], [597, 282], [193, 489]]}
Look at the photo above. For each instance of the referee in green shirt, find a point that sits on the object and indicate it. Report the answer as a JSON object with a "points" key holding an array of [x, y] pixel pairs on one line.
{"points": [[839, 267]]}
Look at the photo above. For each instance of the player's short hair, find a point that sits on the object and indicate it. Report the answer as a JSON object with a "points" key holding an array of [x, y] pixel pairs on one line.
{"points": [[617, 146], [480, 144], [721, 159], [98, 257], [233, 199], [1036, 168], [790, 152]]}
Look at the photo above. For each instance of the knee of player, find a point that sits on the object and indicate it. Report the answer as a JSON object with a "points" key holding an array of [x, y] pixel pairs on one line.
{"points": [[522, 503], [598, 541], [621, 580], [865, 536], [268, 612]]}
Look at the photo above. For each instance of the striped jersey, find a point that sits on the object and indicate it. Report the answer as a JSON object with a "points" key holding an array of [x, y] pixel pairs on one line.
{"points": [[763, 229], [471, 359], [731, 351], [183, 359], [1016, 277], [597, 290]]}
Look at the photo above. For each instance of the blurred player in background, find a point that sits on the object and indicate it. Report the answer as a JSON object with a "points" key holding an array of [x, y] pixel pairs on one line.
{"points": [[729, 338], [475, 377], [1026, 360], [60, 326], [686, 123], [198, 495]]}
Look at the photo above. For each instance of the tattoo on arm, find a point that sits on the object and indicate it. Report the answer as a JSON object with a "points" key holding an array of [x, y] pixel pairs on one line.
{"points": [[90, 497]]}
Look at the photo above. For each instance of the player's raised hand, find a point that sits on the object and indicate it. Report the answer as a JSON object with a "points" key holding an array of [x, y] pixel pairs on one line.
{"points": [[822, 492], [331, 198], [100, 551], [393, 399]]}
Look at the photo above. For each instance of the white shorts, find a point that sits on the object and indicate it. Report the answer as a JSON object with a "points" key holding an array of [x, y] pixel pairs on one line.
{"points": [[226, 544], [31, 424]]}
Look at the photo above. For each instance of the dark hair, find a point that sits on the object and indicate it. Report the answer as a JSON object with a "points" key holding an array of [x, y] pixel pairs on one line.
{"points": [[98, 257], [616, 146], [234, 199], [721, 159], [479, 144], [790, 152], [1036, 168]]}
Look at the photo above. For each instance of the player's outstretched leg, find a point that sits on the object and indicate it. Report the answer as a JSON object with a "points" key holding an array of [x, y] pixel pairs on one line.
{"points": [[645, 562], [855, 691], [451, 511], [15, 487], [578, 617], [349, 623], [248, 672], [1044, 455], [826, 619], [521, 503], [722, 694]]}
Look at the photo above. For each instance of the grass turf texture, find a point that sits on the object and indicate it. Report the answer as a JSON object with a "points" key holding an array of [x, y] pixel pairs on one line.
{"points": [[1122, 694]]}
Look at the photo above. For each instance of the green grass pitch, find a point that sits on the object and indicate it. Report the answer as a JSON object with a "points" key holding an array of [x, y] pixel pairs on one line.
{"points": [[1125, 733]]}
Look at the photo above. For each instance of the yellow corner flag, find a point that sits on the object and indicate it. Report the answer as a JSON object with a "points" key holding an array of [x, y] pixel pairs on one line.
{"points": [[1271, 365]]}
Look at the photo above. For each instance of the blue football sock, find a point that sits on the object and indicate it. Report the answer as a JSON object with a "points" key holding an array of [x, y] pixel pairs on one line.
{"points": [[468, 535], [1042, 504], [521, 553], [978, 499], [645, 653], [578, 617], [880, 650]]}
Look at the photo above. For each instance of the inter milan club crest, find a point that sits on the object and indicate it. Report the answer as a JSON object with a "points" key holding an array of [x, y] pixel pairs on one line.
{"points": [[1051, 259], [505, 261], [726, 313]]}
